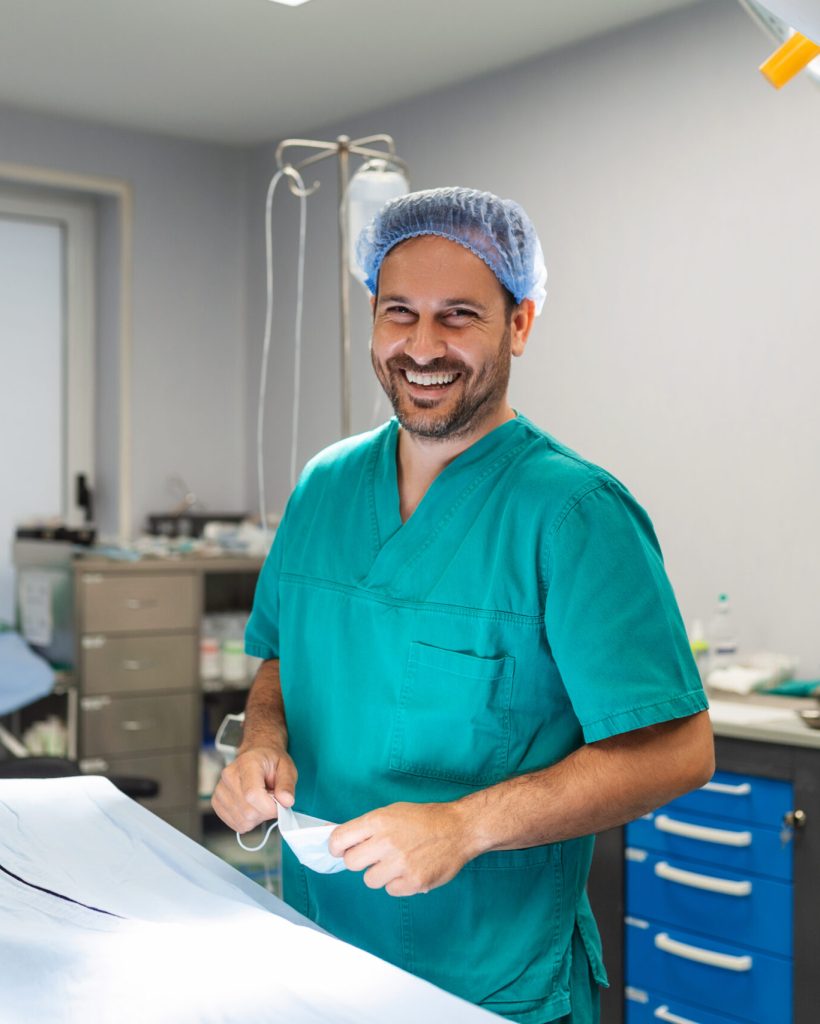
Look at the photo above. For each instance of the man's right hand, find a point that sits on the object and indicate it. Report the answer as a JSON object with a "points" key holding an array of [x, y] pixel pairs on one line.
{"points": [[244, 796]]}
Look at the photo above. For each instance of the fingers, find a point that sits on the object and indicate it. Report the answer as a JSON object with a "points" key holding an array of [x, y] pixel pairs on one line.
{"points": [[402, 848], [252, 785], [404, 887], [350, 834], [243, 797], [365, 854], [395, 879], [285, 782], [381, 874]]}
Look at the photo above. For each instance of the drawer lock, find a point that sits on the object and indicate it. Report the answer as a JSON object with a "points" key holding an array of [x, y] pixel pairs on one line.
{"points": [[792, 820]]}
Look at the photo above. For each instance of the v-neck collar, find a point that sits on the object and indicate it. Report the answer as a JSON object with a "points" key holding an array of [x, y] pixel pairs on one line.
{"points": [[393, 541]]}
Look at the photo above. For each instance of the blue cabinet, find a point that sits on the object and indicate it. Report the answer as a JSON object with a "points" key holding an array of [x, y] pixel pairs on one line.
{"points": [[644, 1007], [709, 906]]}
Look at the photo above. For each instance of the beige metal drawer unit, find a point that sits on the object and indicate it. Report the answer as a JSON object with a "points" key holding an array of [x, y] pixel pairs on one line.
{"points": [[140, 700], [130, 603]]}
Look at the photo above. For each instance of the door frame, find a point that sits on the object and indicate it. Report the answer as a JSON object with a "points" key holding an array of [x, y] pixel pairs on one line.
{"points": [[76, 220], [87, 188]]}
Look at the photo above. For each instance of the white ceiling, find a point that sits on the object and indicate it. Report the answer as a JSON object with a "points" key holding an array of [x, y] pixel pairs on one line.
{"points": [[245, 71]]}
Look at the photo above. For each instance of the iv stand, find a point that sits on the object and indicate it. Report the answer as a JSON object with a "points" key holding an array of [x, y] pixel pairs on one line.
{"points": [[343, 147]]}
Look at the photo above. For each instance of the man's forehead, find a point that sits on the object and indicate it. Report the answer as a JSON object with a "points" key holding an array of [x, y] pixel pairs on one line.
{"points": [[439, 265], [396, 298]]}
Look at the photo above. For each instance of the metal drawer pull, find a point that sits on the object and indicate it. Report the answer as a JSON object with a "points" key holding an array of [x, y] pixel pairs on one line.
{"points": [[93, 766], [707, 882], [636, 995], [664, 1013], [132, 665], [94, 703], [132, 725], [722, 836], [725, 961], [742, 789], [135, 603]]}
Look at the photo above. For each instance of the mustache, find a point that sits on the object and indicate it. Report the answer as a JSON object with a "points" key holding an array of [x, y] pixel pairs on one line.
{"points": [[436, 366]]}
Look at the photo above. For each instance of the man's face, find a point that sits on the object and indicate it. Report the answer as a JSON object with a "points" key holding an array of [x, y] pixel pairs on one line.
{"points": [[441, 342]]}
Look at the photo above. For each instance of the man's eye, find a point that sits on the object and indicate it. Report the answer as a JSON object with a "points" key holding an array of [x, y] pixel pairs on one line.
{"points": [[399, 311], [460, 314]]}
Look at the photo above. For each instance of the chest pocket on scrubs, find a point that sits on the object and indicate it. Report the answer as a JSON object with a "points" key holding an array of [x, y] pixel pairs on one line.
{"points": [[453, 720]]}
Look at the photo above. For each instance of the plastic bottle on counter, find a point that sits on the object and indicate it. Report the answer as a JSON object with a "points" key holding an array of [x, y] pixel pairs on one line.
{"points": [[700, 646], [210, 656], [234, 666], [722, 636]]}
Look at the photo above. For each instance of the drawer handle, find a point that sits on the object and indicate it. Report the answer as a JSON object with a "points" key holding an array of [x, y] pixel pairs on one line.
{"points": [[725, 961], [696, 881], [94, 703], [133, 725], [664, 1013], [135, 603], [721, 836], [133, 665], [93, 766], [742, 789]]}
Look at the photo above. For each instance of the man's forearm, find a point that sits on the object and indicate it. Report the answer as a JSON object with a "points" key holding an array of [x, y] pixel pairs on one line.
{"points": [[265, 723], [598, 786]]}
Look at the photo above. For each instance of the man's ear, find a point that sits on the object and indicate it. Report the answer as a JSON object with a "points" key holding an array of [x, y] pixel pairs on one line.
{"points": [[521, 323]]}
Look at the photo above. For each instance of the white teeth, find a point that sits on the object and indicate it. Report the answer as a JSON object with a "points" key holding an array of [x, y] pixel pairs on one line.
{"points": [[430, 379]]}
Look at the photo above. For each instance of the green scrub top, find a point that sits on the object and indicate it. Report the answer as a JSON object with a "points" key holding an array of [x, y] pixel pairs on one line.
{"points": [[521, 611]]}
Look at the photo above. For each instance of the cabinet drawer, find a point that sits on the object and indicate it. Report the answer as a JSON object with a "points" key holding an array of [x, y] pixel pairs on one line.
{"points": [[138, 663], [138, 604], [650, 1008], [724, 978], [743, 798], [734, 846], [710, 901], [175, 773], [124, 725]]}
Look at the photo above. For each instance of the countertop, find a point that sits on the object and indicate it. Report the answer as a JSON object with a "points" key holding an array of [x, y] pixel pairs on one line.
{"points": [[763, 717]]}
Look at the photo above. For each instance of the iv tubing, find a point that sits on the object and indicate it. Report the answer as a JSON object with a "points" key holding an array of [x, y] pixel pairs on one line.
{"points": [[297, 358]]}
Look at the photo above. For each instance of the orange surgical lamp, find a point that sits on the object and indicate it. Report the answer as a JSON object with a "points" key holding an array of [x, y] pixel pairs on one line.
{"points": [[796, 25]]}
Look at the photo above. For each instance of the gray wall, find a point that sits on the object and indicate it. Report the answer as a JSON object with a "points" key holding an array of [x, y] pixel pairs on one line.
{"points": [[188, 372], [676, 196]]}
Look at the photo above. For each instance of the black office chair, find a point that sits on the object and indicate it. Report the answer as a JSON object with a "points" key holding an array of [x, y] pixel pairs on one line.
{"points": [[62, 767], [135, 786]]}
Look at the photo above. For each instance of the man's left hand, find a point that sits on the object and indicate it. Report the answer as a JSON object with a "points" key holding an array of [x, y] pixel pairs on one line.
{"points": [[405, 848]]}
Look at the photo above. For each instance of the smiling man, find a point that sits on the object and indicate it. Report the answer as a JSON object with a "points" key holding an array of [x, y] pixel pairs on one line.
{"points": [[473, 655]]}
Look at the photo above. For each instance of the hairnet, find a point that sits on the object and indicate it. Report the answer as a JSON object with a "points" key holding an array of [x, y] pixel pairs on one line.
{"points": [[497, 230]]}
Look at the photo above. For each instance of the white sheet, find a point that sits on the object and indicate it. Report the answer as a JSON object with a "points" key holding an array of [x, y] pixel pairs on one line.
{"points": [[193, 942]]}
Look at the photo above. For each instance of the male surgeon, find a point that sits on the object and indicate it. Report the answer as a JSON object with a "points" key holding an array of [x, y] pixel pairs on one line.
{"points": [[473, 657]]}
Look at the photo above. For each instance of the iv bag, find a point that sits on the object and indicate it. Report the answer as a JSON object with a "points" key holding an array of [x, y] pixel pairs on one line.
{"points": [[374, 184]]}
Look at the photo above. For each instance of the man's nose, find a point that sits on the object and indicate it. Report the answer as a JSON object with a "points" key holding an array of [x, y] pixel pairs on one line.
{"points": [[426, 342]]}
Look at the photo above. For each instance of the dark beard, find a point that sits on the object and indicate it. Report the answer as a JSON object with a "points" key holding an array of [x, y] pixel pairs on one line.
{"points": [[481, 394]]}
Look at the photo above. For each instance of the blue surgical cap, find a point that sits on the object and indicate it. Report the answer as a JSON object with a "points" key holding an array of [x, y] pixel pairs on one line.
{"points": [[497, 230]]}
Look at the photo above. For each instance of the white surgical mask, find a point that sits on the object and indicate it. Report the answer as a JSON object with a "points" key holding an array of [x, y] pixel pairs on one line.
{"points": [[307, 837]]}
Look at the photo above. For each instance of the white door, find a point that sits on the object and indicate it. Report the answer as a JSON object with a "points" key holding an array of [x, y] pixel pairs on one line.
{"points": [[46, 365]]}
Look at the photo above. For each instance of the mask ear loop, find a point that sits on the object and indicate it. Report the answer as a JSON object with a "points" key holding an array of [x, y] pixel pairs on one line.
{"points": [[255, 849]]}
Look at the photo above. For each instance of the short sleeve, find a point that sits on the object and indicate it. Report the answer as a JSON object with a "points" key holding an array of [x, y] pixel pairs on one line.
{"points": [[612, 620], [262, 630]]}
